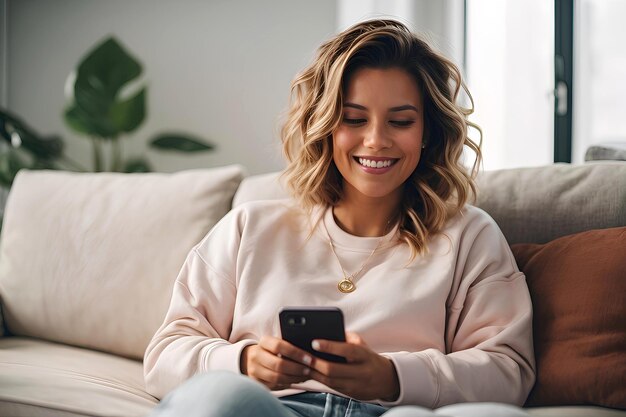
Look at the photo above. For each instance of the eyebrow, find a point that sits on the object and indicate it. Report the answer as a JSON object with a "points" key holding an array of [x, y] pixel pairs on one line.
{"points": [[393, 109]]}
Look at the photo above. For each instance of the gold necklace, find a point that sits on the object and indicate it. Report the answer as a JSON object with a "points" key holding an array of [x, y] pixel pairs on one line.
{"points": [[346, 285]]}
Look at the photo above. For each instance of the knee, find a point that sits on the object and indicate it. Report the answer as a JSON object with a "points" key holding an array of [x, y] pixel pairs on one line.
{"points": [[222, 382], [216, 393], [222, 386]]}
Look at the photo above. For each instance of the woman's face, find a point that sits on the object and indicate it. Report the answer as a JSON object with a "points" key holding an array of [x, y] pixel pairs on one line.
{"points": [[378, 143]]}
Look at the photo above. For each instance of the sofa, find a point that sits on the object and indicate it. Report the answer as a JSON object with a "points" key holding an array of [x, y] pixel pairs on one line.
{"points": [[88, 261]]}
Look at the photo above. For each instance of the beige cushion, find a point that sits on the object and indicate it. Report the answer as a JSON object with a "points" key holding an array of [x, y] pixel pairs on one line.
{"points": [[90, 259], [534, 205], [260, 187], [42, 378], [537, 205]]}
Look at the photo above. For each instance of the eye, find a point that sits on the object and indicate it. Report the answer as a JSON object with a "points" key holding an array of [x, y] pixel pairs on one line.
{"points": [[402, 123], [350, 121]]}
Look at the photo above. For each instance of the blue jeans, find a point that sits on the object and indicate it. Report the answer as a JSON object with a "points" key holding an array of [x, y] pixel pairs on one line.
{"points": [[226, 394]]}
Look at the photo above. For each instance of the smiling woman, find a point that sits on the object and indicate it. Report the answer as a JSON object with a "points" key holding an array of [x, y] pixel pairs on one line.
{"points": [[435, 309], [414, 90]]}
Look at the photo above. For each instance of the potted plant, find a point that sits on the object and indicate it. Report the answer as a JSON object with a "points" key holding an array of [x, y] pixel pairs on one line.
{"points": [[100, 109]]}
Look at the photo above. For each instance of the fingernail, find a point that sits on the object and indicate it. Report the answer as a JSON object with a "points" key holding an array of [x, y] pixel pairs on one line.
{"points": [[315, 345], [306, 371], [307, 360]]}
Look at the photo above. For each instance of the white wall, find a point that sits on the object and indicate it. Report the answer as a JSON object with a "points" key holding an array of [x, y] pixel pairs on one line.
{"points": [[218, 69], [439, 21], [3, 53]]}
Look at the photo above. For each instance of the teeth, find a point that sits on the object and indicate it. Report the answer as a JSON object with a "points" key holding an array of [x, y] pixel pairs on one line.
{"points": [[375, 164]]}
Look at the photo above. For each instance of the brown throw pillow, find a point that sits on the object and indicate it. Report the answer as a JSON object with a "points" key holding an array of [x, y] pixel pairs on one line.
{"points": [[578, 288]]}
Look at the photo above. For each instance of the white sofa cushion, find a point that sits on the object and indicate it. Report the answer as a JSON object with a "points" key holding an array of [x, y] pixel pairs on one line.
{"points": [[90, 259], [261, 187]]}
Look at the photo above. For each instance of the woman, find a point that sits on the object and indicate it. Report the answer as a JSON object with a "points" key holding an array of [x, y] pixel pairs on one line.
{"points": [[436, 310]]}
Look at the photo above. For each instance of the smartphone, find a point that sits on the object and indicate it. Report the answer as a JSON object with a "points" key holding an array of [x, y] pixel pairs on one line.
{"points": [[301, 325]]}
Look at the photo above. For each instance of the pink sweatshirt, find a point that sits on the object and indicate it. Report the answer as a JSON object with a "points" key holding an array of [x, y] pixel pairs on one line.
{"points": [[456, 323]]}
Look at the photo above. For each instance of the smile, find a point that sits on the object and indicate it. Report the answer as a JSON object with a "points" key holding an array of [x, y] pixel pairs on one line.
{"points": [[375, 163]]}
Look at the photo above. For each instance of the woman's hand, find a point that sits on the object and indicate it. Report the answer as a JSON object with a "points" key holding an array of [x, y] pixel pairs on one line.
{"points": [[366, 376], [275, 363]]}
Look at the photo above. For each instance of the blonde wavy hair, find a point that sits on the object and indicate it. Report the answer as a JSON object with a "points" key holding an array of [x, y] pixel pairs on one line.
{"points": [[440, 185]]}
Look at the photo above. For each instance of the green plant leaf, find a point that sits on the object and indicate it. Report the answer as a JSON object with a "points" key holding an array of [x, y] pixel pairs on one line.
{"points": [[10, 163], [77, 121], [97, 109], [106, 69], [83, 122], [127, 115], [46, 148], [91, 121], [181, 143], [41, 147], [137, 165]]}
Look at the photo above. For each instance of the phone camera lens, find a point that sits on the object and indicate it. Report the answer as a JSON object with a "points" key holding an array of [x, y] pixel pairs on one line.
{"points": [[296, 320]]}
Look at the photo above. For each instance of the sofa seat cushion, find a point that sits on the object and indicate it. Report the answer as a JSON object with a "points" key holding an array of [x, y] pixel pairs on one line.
{"points": [[39, 378]]}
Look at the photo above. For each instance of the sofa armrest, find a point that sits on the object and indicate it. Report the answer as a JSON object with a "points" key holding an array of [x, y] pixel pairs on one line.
{"points": [[615, 151]]}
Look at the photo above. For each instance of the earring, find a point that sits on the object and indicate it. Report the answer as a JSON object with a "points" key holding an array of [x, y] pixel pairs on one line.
{"points": [[423, 146]]}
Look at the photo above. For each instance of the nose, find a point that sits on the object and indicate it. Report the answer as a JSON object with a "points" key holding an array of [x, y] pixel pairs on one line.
{"points": [[376, 137]]}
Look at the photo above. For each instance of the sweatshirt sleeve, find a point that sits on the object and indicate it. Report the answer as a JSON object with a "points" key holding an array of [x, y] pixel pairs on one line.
{"points": [[489, 350], [194, 335]]}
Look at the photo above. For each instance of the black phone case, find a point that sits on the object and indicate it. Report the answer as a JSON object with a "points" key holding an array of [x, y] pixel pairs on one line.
{"points": [[319, 323]]}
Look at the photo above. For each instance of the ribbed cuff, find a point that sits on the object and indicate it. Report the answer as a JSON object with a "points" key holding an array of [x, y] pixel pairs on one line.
{"points": [[227, 356], [418, 380]]}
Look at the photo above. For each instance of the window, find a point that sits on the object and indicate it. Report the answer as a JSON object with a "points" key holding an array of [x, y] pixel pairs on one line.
{"points": [[510, 73], [599, 69]]}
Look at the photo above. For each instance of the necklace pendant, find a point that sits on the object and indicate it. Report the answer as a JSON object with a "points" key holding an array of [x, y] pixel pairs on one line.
{"points": [[346, 286]]}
